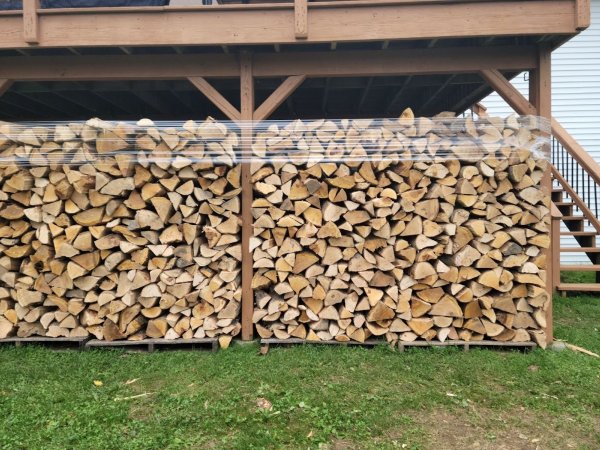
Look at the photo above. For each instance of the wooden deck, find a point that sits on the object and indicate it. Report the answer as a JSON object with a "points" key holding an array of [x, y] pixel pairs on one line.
{"points": [[289, 23]]}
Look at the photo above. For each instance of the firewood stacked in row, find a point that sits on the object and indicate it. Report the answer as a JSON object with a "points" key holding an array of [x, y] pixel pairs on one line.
{"points": [[409, 229], [119, 231]]}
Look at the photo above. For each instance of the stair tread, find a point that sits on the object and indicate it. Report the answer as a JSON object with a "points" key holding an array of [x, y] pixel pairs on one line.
{"points": [[580, 249], [581, 268], [579, 233], [564, 203], [573, 218], [590, 287]]}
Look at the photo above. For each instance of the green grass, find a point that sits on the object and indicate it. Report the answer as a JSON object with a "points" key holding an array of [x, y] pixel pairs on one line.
{"points": [[578, 277], [322, 397]]}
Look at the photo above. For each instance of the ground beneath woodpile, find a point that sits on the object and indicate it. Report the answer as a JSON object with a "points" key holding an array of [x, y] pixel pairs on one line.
{"points": [[309, 396]]}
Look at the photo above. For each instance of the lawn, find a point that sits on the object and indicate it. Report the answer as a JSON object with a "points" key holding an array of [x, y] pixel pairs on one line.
{"points": [[308, 397]]}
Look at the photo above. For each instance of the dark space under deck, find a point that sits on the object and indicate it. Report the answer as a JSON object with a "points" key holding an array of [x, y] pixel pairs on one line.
{"points": [[334, 97]]}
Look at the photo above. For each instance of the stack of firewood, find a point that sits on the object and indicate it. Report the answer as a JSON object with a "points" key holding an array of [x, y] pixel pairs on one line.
{"points": [[119, 231], [409, 229]]}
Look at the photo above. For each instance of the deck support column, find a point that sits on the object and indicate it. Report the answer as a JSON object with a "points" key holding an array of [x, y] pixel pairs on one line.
{"points": [[539, 104], [246, 116], [540, 96]]}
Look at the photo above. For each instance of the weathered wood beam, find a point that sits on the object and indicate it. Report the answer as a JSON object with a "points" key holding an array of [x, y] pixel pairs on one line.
{"points": [[415, 61], [30, 21], [246, 115], [540, 92], [508, 92], [312, 64], [582, 14], [522, 106], [301, 19], [266, 24], [215, 96], [5, 85], [280, 94]]}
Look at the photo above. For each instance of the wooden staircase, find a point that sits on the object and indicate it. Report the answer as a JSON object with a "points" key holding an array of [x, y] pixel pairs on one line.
{"points": [[578, 208]]}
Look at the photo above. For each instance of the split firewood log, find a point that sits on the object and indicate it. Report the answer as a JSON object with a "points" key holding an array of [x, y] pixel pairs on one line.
{"points": [[119, 231], [407, 229]]}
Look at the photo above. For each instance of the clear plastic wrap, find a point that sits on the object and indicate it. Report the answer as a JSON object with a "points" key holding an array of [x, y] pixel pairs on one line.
{"points": [[119, 230], [409, 228]]}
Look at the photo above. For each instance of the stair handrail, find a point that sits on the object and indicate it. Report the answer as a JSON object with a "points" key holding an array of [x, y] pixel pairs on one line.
{"points": [[571, 145], [589, 215]]}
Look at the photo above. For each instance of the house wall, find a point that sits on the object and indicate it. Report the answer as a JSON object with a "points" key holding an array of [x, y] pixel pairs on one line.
{"points": [[575, 97]]}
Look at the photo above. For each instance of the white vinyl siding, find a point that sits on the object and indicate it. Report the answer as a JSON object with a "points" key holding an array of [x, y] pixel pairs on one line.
{"points": [[575, 97]]}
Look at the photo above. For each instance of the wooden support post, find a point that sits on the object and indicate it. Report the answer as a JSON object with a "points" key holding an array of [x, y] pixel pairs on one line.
{"points": [[30, 21], [246, 115], [538, 104], [4, 85], [301, 19], [278, 97], [215, 96], [540, 91]]}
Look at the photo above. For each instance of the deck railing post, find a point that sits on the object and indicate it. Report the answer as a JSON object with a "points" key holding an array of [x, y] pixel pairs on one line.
{"points": [[30, 21], [301, 19]]}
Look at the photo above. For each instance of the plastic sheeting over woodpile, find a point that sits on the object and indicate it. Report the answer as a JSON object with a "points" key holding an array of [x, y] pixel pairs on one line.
{"points": [[405, 229], [119, 231]]}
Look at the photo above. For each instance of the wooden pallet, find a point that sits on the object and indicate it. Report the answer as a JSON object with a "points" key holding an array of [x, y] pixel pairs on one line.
{"points": [[266, 343], [55, 343], [151, 345], [466, 345]]}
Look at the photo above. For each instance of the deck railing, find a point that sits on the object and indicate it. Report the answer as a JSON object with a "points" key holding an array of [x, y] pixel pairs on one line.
{"points": [[578, 169], [581, 180]]}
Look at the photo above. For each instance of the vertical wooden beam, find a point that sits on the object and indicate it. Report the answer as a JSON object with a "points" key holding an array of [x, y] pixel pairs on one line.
{"points": [[246, 115], [555, 243], [301, 19], [30, 21], [582, 14], [540, 96], [4, 85]]}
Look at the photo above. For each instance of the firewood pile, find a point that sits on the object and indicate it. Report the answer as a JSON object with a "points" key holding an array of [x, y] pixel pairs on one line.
{"points": [[119, 231], [400, 229]]}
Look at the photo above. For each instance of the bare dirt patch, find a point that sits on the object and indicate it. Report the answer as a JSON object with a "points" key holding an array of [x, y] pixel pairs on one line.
{"points": [[501, 430]]}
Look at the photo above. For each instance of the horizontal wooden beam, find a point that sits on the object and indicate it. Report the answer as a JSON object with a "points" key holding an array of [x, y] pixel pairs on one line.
{"points": [[311, 64], [450, 60], [328, 21]]}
